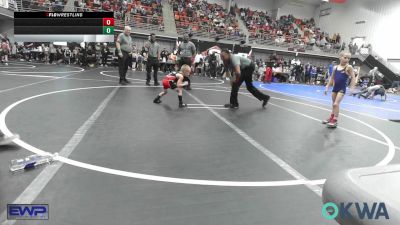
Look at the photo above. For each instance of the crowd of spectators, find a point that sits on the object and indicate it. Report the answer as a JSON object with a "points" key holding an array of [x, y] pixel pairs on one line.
{"points": [[364, 49], [48, 53], [261, 26], [288, 29], [199, 16], [291, 70], [314, 36], [45, 5], [132, 12]]}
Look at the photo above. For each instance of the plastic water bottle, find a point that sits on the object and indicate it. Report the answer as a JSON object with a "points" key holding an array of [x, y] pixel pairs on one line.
{"points": [[31, 161]]}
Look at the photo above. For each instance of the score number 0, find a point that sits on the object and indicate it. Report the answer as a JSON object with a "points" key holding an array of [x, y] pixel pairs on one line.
{"points": [[108, 25]]}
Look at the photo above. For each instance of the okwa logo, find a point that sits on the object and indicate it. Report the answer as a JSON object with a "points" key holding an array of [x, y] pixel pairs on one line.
{"points": [[364, 211]]}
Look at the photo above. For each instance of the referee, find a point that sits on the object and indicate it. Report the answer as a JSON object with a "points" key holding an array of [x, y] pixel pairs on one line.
{"points": [[242, 68], [186, 52], [124, 50], [153, 59]]}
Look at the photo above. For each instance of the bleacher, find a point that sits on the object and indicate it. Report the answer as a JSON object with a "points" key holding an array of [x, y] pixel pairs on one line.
{"points": [[315, 36], [145, 14], [43, 5], [207, 20]]}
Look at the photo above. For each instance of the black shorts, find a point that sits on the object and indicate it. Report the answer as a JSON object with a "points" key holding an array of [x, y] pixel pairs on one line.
{"points": [[185, 60]]}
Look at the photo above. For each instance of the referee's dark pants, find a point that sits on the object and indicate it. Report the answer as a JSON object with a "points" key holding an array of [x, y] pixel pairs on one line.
{"points": [[152, 63], [104, 57], [123, 65], [187, 61], [246, 75]]}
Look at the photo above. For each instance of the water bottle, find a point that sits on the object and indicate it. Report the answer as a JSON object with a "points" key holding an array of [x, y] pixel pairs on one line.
{"points": [[31, 161]]}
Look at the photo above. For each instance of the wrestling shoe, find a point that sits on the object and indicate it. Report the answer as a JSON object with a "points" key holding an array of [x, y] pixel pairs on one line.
{"points": [[332, 123], [265, 101], [232, 106], [327, 120], [157, 100]]}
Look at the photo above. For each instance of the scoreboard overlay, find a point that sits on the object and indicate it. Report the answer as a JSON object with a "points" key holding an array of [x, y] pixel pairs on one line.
{"points": [[64, 26]]}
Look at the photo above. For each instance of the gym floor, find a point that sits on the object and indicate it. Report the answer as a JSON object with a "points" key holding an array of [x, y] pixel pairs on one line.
{"points": [[125, 160]]}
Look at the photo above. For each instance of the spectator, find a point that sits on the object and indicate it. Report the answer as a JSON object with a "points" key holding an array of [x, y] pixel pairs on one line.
{"points": [[75, 55], [330, 68], [198, 63], [67, 56], [323, 42], [268, 75], [164, 58], [53, 52], [5, 51], [60, 55], [355, 48], [307, 71], [91, 56], [105, 51], [40, 52], [395, 87], [14, 50], [312, 41], [313, 74], [261, 72], [46, 53], [140, 60]]}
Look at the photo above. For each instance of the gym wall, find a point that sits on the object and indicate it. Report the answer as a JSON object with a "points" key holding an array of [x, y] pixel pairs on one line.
{"points": [[301, 10], [380, 28]]}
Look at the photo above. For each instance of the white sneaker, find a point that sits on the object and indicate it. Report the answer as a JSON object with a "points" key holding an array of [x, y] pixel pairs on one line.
{"points": [[8, 140], [6, 64]]}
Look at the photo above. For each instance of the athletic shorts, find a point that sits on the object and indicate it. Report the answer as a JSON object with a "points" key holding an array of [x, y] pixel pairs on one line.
{"points": [[166, 81], [339, 89], [165, 84]]}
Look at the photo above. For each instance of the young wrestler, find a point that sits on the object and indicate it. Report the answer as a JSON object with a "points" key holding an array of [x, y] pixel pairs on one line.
{"points": [[340, 75], [173, 81]]}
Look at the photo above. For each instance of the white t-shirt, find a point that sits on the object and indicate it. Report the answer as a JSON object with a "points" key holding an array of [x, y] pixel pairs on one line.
{"points": [[295, 62], [261, 70], [198, 58]]}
